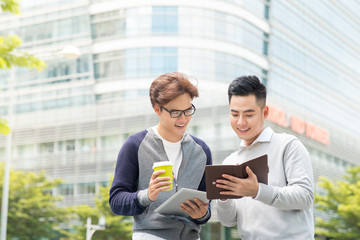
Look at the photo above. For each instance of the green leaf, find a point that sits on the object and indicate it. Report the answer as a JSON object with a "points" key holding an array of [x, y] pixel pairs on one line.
{"points": [[4, 126], [9, 57], [342, 204], [11, 6]]}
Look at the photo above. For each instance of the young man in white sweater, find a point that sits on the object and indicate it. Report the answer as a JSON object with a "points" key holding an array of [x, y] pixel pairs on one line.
{"points": [[283, 209]]}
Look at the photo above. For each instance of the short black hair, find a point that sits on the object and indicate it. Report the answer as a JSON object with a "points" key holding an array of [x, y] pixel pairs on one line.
{"points": [[248, 85]]}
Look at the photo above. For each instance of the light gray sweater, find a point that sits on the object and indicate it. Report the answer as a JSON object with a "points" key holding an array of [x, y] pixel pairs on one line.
{"points": [[283, 209]]}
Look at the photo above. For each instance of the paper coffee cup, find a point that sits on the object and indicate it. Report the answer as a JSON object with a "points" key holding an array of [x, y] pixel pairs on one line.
{"points": [[167, 166]]}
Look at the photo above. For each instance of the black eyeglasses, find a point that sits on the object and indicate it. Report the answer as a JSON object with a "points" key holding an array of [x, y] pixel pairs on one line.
{"points": [[177, 113]]}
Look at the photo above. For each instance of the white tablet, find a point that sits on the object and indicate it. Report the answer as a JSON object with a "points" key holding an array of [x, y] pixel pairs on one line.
{"points": [[172, 205]]}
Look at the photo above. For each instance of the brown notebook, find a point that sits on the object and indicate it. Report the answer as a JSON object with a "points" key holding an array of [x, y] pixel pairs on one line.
{"points": [[258, 165]]}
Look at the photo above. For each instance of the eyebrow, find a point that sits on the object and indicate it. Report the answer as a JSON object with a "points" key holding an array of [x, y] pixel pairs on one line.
{"points": [[246, 111], [180, 110]]}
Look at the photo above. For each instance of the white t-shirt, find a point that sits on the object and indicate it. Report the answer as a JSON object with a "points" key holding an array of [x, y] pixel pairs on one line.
{"points": [[173, 152]]}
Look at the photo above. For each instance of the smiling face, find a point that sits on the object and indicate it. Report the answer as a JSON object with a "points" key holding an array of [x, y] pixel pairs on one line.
{"points": [[173, 129], [247, 117]]}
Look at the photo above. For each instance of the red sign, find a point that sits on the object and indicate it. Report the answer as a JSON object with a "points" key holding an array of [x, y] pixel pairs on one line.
{"points": [[298, 125]]}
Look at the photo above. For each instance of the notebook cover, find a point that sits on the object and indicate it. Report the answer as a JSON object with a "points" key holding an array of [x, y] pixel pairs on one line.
{"points": [[258, 165]]}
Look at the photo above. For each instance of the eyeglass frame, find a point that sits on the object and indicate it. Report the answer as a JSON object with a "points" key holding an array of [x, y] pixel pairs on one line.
{"points": [[181, 111]]}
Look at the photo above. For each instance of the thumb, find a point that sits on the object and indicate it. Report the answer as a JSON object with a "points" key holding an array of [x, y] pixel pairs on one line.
{"points": [[250, 173]]}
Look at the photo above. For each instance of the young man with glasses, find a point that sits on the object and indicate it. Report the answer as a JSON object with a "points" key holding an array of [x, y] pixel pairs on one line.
{"points": [[137, 191]]}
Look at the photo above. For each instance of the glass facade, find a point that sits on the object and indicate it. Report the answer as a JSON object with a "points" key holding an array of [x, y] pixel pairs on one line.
{"points": [[316, 63], [72, 118]]}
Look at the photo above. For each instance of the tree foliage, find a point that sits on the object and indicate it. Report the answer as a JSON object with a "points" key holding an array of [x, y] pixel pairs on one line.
{"points": [[342, 204], [32, 212], [11, 6], [117, 227], [9, 54], [9, 57], [4, 126]]}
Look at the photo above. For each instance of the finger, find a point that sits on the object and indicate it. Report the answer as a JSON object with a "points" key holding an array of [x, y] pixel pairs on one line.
{"points": [[186, 208], [199, 202], [192, 204], [162, 184], [229, 192], [223, 181], [222, 186], [157, 173], [162, 179], [228, 182], [229, 177], [163, 188], [189, 207]]}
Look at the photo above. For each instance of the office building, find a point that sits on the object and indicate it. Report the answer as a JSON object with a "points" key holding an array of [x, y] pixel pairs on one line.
{"points": [[72, 118]]}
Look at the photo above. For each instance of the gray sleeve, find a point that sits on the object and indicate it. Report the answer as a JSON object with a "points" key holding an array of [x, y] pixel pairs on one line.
{"points": [[226, 212], [143, 198], [299, 191]]}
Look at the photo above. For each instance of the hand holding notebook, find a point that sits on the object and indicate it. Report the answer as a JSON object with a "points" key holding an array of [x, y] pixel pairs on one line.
{"points": [[259, 166]]}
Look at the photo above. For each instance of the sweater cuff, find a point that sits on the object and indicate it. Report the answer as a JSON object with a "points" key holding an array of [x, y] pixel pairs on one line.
{"points": [[226, 204], [204, 218], [266, 194], [143, 198]]}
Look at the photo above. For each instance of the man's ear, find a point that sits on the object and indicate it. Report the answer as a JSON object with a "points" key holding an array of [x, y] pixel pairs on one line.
{"points": [[266, 111], [157, 110]]}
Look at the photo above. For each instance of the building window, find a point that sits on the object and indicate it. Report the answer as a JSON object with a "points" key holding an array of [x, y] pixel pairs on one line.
{"points": [[165, 20], [163, 60], [66, 146], [54, 29], [3, 111], [88, 144], [87, 188], [110, 142], [25, 151], [47, 147], [66, 189]]}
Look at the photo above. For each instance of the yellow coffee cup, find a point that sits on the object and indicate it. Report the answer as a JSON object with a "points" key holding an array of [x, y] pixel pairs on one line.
{"points": [[167, 166]]}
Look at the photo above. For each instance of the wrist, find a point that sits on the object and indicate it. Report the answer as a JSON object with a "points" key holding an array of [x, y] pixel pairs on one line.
{"points": [[256, 193], [204, 216]]}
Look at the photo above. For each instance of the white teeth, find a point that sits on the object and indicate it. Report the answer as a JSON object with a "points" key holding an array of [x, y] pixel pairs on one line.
{"points": [[179, 125], [244, 129]]}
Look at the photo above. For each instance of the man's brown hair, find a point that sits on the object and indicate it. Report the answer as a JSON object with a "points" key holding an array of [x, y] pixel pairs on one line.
{"points": [[169, 86]]}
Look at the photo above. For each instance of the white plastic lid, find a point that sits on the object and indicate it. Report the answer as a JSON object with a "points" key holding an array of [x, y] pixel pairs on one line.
{"points": [[164, 163]]}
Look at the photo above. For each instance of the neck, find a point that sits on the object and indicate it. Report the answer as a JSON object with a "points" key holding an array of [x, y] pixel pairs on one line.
{"points": [[166, 136]]}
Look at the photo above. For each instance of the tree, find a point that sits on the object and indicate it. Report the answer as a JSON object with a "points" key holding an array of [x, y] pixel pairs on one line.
{"points": [[9, 54], [33, 212], [342, 204], [117, 227]]}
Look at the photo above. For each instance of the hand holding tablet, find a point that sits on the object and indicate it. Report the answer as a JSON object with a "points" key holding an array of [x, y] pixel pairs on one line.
{"points": [[172, 205]]}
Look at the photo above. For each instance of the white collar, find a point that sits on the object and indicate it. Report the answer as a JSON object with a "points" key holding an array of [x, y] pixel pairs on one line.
{"points": [[265, 136]]}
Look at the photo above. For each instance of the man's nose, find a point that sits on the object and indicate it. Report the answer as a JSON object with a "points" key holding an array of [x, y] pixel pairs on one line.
{"points": [[241, 121]]}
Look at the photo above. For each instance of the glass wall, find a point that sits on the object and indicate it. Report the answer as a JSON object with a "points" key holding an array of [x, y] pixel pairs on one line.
{"points": [[178, 21], [151, 62], [313, 64]]}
